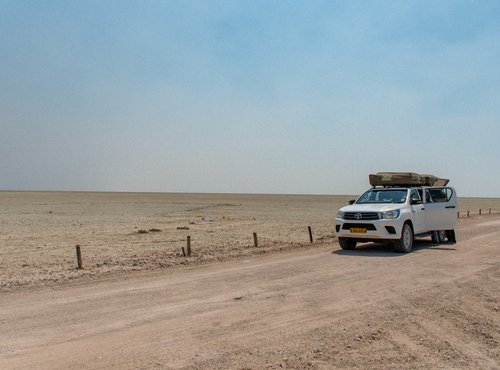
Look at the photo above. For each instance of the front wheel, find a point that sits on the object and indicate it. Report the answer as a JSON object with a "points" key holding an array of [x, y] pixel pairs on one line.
{"points": [[346, 243], [404, 244]]}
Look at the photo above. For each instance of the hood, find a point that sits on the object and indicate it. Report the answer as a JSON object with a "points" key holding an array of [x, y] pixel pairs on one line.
{"points": [[372, 207]]}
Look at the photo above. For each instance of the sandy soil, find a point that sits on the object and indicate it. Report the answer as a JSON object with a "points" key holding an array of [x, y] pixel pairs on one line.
{"points": [[308, 306], [39, 231]]}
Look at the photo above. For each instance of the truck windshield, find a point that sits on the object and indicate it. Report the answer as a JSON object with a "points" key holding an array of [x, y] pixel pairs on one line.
{"points": [[383, 196]]}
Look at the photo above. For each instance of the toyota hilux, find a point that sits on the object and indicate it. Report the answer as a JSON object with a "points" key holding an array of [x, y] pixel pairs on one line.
{"points": [[397, 214]]}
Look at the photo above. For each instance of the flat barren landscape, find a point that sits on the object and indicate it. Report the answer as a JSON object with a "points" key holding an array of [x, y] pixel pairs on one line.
{"points": [[139, 302]]}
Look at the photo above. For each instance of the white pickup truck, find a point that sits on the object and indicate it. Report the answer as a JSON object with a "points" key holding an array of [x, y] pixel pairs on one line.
{"points": [[398, 214]]}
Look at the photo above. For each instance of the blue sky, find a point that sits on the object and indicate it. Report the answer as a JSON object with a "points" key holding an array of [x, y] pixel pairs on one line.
{"points": [[248, 96]]}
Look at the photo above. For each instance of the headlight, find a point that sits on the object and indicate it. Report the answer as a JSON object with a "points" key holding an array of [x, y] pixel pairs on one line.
{"points": [[340, 214], [390, 215]]}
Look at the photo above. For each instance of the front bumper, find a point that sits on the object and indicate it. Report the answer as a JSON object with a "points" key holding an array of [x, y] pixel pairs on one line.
{"points": [[368, 230]]}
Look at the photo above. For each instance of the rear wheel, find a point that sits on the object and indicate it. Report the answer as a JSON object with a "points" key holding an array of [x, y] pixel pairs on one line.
{"points": [[346, 243], [404, 244], [439, 236], [442, 236]]}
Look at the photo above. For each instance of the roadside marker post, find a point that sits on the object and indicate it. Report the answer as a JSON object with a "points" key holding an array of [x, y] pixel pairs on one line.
{"points": [[255, 241], [79, 257], [310, 234], [189, 246]]}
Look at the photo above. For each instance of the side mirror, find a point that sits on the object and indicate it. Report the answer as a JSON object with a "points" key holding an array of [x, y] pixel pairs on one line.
{"points": [[415, 201], [352, 201]]}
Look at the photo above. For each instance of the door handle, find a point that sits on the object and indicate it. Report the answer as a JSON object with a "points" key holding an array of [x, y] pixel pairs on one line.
{"points": [[450, 207], [423, 208]]}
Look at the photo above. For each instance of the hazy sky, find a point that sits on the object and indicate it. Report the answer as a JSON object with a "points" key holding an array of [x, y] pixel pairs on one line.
{"points": [[248, 96]]}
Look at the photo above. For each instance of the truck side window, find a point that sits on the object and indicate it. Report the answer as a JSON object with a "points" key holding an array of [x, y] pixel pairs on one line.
{"points": [[441, 195], [429, 198], [449, 193], [414, 196]]}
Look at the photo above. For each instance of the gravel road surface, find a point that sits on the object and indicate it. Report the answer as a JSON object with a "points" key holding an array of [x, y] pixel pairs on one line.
{"points": [[321, 308]]}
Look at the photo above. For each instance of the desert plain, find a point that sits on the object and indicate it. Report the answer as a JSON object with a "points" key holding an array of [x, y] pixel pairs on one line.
{"points": [[139, 302]]}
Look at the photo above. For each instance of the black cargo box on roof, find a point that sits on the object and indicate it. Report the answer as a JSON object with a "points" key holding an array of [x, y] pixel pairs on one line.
{"points": [[405, 179]]}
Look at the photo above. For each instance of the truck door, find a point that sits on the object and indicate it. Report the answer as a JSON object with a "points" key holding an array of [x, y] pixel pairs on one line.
{"points": [[441, 208], [418, 212]]}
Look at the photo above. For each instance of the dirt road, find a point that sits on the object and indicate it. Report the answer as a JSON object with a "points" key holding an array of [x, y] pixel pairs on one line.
{"points": [[324, 308]]}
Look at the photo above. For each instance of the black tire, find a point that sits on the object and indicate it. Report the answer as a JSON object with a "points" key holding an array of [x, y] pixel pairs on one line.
{"points": [[439, 236], [442, 236], [404, 244], [346, 243]]}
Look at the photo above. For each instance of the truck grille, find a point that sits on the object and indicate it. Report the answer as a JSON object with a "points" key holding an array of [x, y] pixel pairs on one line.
{"points": [[361, 216]]}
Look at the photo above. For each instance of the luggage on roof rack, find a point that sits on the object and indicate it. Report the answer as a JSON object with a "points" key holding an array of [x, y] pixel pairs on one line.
{"points": [[441, 182], [429, 180], [405, 179]]}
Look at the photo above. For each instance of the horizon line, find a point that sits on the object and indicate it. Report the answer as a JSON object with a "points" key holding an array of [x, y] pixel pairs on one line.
{"points": [[201, 193]]}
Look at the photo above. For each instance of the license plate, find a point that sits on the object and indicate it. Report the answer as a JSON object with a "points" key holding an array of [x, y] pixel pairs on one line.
{"points": [[358, 230]]}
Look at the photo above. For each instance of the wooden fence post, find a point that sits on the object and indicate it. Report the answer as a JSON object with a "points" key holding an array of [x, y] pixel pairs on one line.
{"points": [[189, 246], [489, 212], [458, 214], [255, 241], [310, 234], [467, 213], [79, 257], [479, 211]]}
